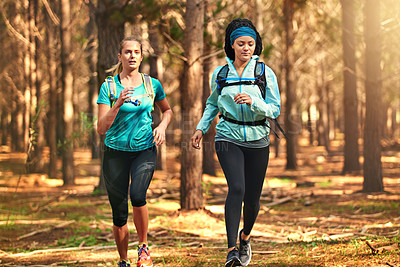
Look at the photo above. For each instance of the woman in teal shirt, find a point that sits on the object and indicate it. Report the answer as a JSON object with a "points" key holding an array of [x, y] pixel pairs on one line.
{"points": [[130, 145], [241, 142]]}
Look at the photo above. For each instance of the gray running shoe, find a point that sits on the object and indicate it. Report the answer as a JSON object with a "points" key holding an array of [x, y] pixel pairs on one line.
{"points": [[244, 250], [233, 258]]}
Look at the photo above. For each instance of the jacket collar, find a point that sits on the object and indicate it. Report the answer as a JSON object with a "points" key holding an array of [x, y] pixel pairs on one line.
{"points": [[250, 66]]}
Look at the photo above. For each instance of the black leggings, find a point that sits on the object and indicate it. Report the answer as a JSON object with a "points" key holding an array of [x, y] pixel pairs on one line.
{"points": [[117, 167], [244, 169]]}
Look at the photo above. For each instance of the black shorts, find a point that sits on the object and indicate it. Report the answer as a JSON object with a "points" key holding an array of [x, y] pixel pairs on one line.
{"points": [[120, 168]]}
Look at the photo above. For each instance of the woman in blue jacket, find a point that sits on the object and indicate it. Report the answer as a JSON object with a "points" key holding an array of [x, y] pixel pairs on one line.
{"points": [[242, 142], [125, 104]]}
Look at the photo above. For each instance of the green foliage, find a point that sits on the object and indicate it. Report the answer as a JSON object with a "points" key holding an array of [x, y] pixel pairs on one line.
{"points": [[206, 188], [80, 137], [76, 240], [267, 51]]}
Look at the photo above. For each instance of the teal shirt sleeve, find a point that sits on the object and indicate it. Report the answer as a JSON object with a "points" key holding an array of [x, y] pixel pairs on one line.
{"points": [[103, 95], [211, 109], [158, 90], [270, 106]]}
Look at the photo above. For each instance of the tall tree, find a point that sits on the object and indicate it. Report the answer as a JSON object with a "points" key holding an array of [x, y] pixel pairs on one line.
{"points": [[291, 107], [351, 150], [67, 89], [52, 21], [155, 63], [373, 179], [191, 104], [110, 32], [35, 157], [208, 138], [91, 58], [15, 105], [28, 86]]}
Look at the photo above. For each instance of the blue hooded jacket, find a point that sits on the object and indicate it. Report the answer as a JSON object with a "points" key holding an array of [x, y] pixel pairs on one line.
{"points": [[259, 109]]}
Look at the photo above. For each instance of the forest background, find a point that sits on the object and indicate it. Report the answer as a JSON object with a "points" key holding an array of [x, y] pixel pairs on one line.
{"points": [[337, 64]]}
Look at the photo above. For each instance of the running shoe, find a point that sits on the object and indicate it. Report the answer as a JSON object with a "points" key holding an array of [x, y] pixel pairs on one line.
{"points": [[233, 258], [124, 263], [244, 250], [144, 259]]}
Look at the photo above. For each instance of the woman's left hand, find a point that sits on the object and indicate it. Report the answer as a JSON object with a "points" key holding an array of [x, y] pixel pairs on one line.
{"points": [[159, 135], [243, 98]]}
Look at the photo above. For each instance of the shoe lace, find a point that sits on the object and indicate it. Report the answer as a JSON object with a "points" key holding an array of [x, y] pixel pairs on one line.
{"points": [[142, 250]]}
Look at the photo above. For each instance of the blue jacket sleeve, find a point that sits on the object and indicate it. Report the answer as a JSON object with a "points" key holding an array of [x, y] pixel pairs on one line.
{"points": [[211, 109], [270, 106]]}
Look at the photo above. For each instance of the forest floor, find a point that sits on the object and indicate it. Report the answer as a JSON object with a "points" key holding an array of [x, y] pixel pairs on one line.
{"points": [[314, 216]]}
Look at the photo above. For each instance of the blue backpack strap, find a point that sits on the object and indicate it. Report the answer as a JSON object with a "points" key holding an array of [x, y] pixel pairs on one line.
{"points": [[259, 76], [221, 78]]}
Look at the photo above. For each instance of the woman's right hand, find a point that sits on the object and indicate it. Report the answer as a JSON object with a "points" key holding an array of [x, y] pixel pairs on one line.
{"points": [[124, 95], [196, 138]]}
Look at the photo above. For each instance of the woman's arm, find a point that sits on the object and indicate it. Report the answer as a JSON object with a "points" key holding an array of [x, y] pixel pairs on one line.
{"points": [[159, 131], [107, 114], [270, 106]]}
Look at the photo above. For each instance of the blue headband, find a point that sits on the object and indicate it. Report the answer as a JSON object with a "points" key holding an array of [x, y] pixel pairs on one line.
{"points": [[243, 31]]}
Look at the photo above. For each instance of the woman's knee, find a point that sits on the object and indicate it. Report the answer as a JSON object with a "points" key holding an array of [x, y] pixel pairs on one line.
{"points": [[138, 201], [237, 190], [119, 219]]}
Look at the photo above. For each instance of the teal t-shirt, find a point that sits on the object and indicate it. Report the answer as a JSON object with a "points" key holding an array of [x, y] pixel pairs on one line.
{"points": [[131, 129]]}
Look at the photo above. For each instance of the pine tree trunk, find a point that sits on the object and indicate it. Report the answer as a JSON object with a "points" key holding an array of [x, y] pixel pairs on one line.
{"points": [[310, 125], [155, 63], [291, 109], [16, 130], [67, 89], [52, 111], [208, 138], [373, 91], [350, 101], [191, 161], [4, 126], [35, 158], [27, 91], [110, 33]]}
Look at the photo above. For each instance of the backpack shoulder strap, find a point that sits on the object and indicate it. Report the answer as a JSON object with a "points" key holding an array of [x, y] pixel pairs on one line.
{"points": [[148, 86], [112, 89], [221, 78], [259, 75]]}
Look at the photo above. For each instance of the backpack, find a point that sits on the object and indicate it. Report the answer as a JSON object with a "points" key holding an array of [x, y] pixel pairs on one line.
{"points": [[259, 80], [148, 86]]}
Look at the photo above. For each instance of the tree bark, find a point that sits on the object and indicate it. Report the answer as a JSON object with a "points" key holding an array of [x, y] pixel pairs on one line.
{"points": [[17, 128], [373, 179], [35, 161], [52, 111], [191, 161], [208, 138], [67, 89], [291, 109], [110, 34], [350, 101], [91, 58], [4, 126], [155, 63]]}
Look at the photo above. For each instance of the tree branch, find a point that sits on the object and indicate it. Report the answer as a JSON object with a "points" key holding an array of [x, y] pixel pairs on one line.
{"points": [[53, 16], [14, 31]]}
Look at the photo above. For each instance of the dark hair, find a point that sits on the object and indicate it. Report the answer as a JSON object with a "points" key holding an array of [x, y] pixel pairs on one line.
{"points": [[237, 23]]}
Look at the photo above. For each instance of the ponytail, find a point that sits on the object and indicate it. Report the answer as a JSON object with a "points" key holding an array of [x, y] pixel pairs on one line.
{"points": [[115, 69]]}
